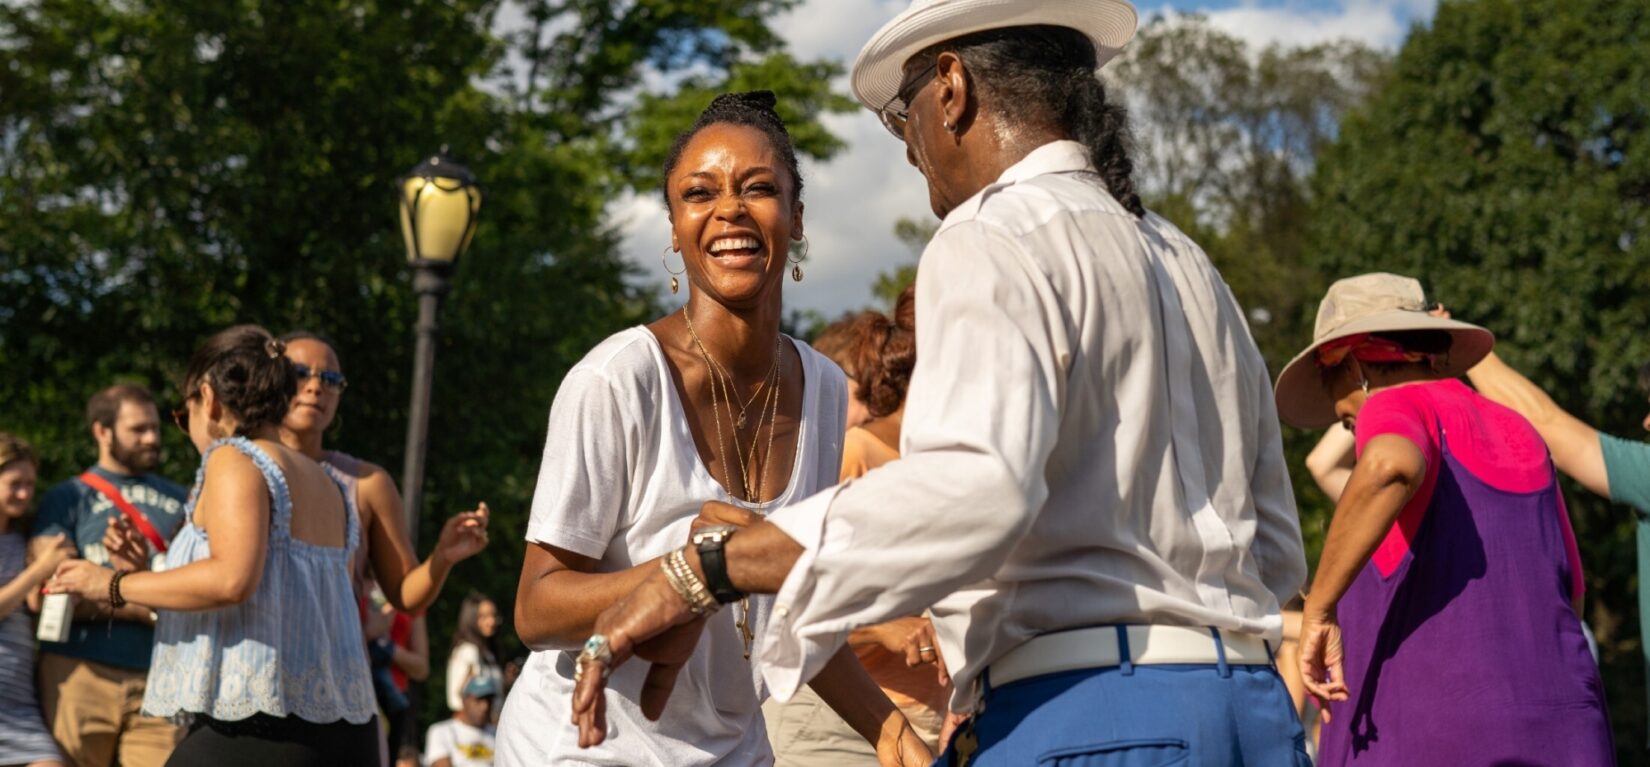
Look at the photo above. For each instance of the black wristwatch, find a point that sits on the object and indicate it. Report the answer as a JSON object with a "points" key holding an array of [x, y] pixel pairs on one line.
{"points": [[710, 541]]}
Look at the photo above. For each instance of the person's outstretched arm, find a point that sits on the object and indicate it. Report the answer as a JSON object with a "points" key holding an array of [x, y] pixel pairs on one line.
{"points": [[234, 509], [1331, 460], [1574, 445]]}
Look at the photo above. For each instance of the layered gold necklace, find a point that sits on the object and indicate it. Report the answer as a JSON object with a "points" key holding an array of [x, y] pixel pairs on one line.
{"points": [[752, 483], [753, 475]]}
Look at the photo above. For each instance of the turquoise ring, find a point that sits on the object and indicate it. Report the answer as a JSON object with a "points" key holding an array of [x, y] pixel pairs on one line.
{"points": [[597, 648]]}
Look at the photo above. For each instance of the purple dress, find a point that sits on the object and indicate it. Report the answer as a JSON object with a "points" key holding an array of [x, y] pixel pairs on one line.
{"points": [[1461, 645]]}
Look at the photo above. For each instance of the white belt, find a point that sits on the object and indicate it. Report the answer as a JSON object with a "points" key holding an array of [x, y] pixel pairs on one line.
{"points": [[1097, 647]]}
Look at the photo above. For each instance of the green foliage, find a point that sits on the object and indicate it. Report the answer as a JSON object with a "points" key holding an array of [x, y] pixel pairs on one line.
{"points": [[172, 168], [1507, 166]]}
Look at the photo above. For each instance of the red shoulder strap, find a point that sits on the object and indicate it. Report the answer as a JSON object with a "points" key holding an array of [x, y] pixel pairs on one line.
{"points": [[141, 522]]}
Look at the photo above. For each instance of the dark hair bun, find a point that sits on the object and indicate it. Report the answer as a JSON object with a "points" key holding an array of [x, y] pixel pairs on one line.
{"points": [[248, 374], [885, 353]]}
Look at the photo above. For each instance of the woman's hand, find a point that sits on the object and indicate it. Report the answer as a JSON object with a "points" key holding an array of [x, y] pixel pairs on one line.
{"points": [[653, 623], [82, 579], [953, 721], [914, 639], [901, 746], [128, 549], [1322, 657], [463, 536]]}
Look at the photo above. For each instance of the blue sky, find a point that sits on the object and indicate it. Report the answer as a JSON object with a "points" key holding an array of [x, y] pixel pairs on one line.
{"points": [[854, 200]]}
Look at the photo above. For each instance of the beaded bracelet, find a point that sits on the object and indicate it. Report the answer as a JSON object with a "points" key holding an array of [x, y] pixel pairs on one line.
{"points": [[115, 599]]}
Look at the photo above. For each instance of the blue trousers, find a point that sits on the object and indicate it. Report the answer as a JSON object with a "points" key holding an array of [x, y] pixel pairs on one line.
{"points": [[1136, 716]]}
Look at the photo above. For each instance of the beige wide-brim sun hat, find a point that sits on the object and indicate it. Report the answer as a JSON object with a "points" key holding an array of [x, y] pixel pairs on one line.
{"points": [[877, 73], [1369, 303]]}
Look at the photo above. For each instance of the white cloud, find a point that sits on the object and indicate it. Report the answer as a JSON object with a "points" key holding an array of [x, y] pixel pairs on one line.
{"points": [[854, 200], [1380, 23]]}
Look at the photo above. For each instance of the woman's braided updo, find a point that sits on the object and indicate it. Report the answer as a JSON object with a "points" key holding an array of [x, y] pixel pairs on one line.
{"points": [[752, 108]]}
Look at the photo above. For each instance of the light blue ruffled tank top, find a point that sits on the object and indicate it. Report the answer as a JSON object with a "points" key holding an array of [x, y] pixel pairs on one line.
{"points": [[293, 649]]}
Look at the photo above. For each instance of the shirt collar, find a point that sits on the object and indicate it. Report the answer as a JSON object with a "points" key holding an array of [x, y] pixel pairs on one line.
{"points": [[1063, 156]]}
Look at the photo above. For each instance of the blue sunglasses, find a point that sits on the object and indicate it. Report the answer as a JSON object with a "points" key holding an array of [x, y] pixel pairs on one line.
{"points": [[330, 379]]}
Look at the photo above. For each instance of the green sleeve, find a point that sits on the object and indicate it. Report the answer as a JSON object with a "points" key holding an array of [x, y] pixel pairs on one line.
{"points": [[1627, 464]]}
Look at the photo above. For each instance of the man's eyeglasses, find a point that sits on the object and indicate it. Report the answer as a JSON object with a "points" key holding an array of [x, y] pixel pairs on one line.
{"points": [[330, 379], [898, 109]]}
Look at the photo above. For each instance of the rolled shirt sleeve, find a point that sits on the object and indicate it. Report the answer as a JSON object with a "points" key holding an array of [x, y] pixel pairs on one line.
{"points": [[981, 419]]}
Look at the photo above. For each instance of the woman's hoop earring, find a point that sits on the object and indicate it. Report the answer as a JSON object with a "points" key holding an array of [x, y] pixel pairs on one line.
{"points": [[664, 258], [796, 263]]}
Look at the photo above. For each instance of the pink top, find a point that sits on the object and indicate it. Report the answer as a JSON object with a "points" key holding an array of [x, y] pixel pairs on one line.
{"points": [[1496, 444]]}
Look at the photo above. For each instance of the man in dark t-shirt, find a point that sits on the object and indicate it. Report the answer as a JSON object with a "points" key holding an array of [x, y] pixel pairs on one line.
{"points": [[92, 684]]}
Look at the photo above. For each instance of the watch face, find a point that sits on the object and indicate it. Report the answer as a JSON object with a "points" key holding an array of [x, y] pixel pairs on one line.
{"points": [[714, 533]]}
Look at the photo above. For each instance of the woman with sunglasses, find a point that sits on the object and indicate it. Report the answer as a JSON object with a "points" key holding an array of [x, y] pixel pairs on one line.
{"points": [[386, 554], [257, 642], [711, 402], [409, 585]]}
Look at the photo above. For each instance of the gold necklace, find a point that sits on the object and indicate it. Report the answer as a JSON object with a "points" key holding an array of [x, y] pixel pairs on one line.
{"points": [[768, 377], [722, 392]]}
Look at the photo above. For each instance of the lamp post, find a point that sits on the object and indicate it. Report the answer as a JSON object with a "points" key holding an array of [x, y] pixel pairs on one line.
{"points": [[439, 201]]}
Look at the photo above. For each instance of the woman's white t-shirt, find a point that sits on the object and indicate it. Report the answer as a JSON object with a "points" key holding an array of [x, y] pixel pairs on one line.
{"points": [[621, 481], [466, 662]]}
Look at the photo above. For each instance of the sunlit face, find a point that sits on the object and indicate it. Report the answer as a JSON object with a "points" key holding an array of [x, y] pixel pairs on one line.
{"points": [[316, 403], [134, 442], [16, 489], [926, 136], [487, 619], [733, 214]]}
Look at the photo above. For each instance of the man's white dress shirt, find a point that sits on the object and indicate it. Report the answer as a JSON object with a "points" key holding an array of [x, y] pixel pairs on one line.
{"points": [[1089, 439]]}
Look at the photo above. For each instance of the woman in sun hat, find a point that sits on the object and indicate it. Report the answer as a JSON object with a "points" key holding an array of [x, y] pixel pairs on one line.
{"points": [[1442, 626]]}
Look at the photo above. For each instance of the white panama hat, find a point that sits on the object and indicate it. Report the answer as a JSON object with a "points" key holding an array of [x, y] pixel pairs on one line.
{"points": [[1377, 302], [1110, 24]]}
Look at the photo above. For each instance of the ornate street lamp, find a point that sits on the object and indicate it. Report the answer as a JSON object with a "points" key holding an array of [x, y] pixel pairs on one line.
{"points": [[439, 201]]}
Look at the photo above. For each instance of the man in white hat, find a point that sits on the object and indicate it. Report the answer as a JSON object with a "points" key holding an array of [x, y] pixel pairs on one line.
{"points": [[1092, 494]]}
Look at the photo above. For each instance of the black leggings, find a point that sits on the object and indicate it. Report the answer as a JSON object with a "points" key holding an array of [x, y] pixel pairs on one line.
{"points": [[267, 741]]}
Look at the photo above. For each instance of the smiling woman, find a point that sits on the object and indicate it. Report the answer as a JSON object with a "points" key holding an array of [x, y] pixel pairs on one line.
{"points": [[712, 403]]}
